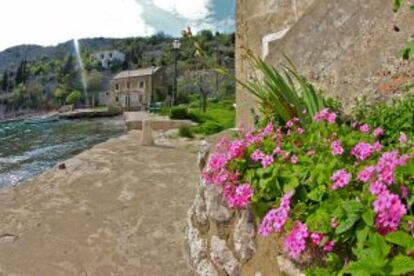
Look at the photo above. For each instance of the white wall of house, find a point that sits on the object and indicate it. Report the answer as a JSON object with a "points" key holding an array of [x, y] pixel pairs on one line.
{"points": [[107, 57]]}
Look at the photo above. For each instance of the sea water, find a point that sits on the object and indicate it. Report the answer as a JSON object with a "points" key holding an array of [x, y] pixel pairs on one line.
{"points": [[29, 149]]}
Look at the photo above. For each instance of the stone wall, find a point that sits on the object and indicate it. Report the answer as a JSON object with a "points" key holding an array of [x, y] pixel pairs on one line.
{"points": [[347, 48], [222, 241]]}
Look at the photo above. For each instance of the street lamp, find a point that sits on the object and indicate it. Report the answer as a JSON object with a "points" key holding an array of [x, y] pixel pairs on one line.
{"points": [[176, 47]]}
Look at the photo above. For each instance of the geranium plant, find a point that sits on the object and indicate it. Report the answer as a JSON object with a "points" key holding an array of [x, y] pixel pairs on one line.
{"points": [[340, 201]]}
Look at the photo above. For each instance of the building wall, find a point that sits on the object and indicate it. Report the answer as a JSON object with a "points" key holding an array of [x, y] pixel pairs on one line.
{"points": [[259, 22], [349, 49], [150, 83], [107, 57]]}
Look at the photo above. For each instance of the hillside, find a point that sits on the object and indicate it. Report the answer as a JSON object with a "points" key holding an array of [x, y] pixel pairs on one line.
{"points": [[33, 77]]}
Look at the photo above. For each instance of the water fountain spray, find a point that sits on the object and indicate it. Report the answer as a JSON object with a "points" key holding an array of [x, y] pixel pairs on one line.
{"points": [[82, 70]]}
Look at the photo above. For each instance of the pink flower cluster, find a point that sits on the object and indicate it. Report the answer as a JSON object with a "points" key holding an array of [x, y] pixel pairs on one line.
{"points": [[389, 211], [364, 128], [275, 219], [366, 174], [378, 132], [325, 115], [341, 178], [295, 242], [362, 151], [336, 148], [238, 197], [266, 160]]}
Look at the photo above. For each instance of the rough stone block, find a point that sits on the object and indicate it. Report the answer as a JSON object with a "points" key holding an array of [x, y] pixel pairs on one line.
{"points": [[244, 235], [215, 204], [223, 258]]}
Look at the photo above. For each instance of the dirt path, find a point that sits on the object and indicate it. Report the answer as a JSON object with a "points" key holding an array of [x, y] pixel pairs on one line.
{"points": [[118, 209]]}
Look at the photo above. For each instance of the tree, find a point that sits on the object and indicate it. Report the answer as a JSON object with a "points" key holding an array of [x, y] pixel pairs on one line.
{"points": [[73, 97], [94, 80], [5, 82], [59, 94]]}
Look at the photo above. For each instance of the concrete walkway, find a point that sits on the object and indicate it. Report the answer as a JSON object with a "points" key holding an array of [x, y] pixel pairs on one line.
{"points": [[117, 209]]}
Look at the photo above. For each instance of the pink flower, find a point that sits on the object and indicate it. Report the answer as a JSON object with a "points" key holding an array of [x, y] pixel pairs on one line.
{"points": [[278, 151], [257, 155], [334, 223], [341, 178], [300, 130], [268, 129], [267, 161], [377, 188], [390, 210], [239, 197], [404, 191], [362, 151], [325, 115], [292, 122], [386, 166], [336, 148], [364, 128], [310, 153], [236, 149], [295, 242], [316, 238], [378, 132], [377, 146], [275, 219], [331, 118], [329, 246], [403, 138], [366, 174], [294, 159]]}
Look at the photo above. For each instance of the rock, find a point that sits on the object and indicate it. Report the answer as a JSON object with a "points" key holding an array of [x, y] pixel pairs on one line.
{"points": [[199, 206], [206, 268], [203, 154], [244, 235], [222, 257], [197, 246], [215, 204], [288, 267]]}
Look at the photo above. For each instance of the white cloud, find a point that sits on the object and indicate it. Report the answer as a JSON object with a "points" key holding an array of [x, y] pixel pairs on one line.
{"points": [[47, 22], [189, 9]]}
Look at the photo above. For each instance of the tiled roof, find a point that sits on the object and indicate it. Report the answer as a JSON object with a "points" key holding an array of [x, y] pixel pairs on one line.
{"points": [[137, 73]]}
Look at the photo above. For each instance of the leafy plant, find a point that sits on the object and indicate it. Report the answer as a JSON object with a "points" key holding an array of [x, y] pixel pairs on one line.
{"points": [[331, 191], [185, 132]]}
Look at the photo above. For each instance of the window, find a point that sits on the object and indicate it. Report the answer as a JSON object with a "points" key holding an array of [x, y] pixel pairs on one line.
{"points": [[110, 55], [141, 84], [140, 98], [128, 85], [102, 56], [117, 86], [117, 98]]}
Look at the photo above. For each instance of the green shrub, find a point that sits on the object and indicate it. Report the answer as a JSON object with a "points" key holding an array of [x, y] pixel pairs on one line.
{"points": [[185, 132], [179, 113], [209, 128], [73, 97], [394, 118], [197, 117]]}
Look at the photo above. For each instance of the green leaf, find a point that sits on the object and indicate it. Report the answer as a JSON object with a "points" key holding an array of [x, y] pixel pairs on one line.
{"points": [[368, 217], [402, 265], [319, 221], [397, 5], [400, 238], [346, 224]]}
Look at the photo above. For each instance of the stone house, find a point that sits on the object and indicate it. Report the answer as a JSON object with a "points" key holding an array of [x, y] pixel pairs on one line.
{"points": [[107, 58], [134, 89]]}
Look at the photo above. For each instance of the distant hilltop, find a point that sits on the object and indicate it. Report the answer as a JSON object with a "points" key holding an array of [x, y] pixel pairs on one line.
{"points": [[11, 57]]}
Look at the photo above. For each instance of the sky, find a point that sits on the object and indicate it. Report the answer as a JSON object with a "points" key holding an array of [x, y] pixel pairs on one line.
{"points": [[49, 22]]}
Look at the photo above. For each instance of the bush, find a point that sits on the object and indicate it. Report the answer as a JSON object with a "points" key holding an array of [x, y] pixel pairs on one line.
{"points": [[185, 132], [394, 118], [341, 201], [209, 128], [196, 117], [73, 97], [179, 113]]}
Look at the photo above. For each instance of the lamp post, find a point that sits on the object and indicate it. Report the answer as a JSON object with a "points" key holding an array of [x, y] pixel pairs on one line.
{"points": [[176, 47]]}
